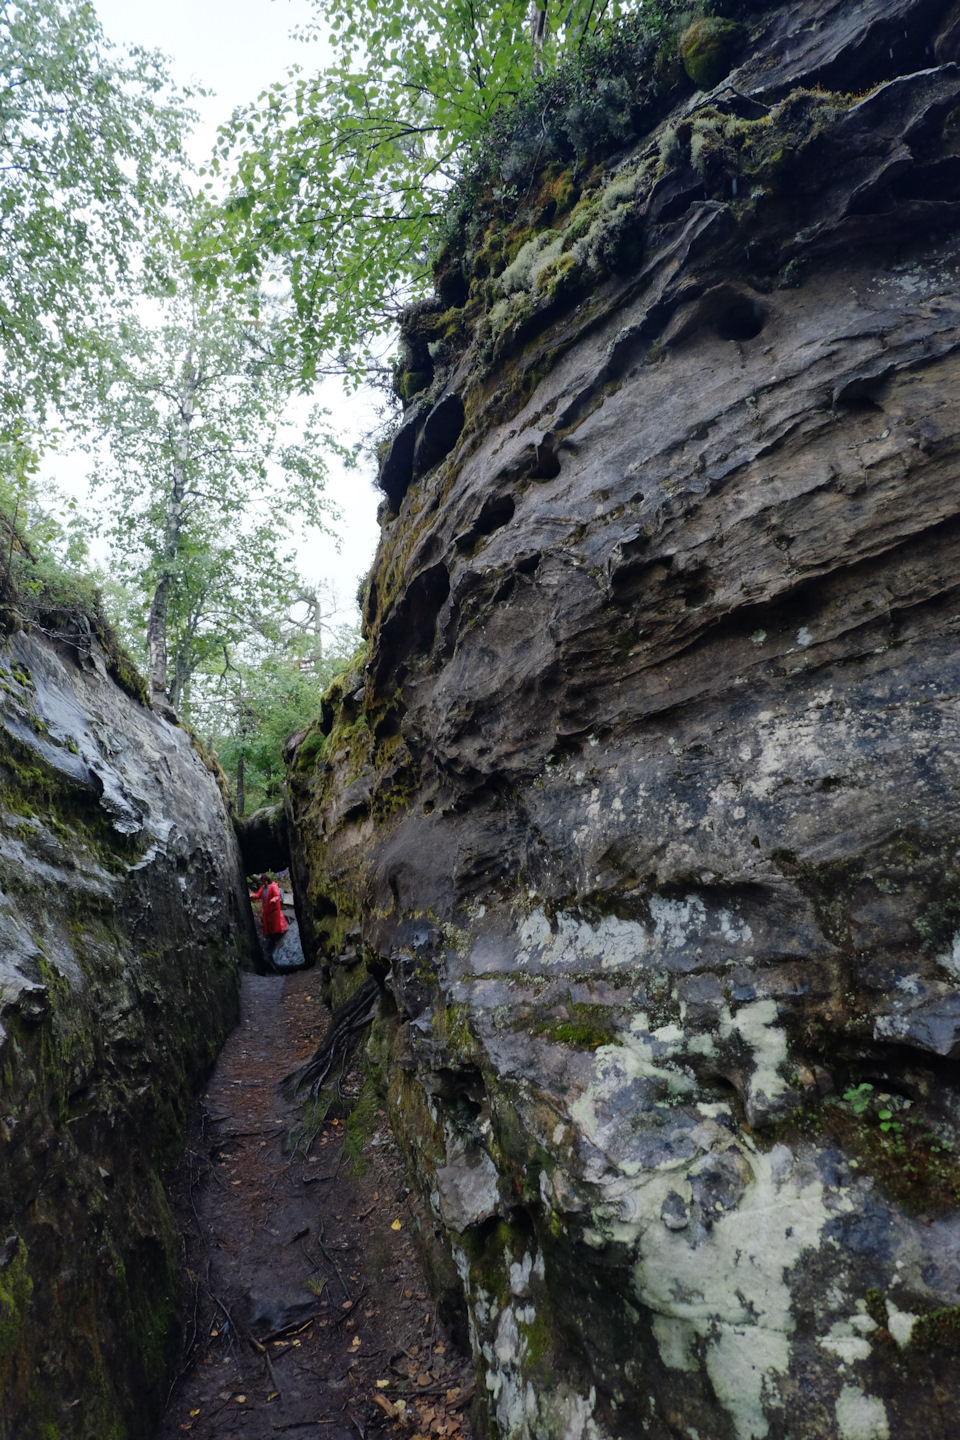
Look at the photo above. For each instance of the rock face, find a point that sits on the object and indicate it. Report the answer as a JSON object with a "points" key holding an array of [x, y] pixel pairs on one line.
{"points": [[124, 922], [644, 807]]}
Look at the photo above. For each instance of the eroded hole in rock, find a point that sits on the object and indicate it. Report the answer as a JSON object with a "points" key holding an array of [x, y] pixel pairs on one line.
{"points": [[396, 472], [495, 514], [546, 461], [370, 601], [632, 573], [451, 285], [416, 619], [743, 319], [697, 596], [859, 396], [941, 178], [441, 431], [327, 717], [461, 1087], [503, 591], [410, 628], [388, 727]]}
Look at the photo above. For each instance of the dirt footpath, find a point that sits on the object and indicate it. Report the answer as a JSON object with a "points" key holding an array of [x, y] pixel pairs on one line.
{"points": [[306, 1312]]}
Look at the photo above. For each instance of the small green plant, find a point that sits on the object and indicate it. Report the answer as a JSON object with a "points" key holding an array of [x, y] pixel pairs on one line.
{"points": [[896, 1138], [859, 1098]]}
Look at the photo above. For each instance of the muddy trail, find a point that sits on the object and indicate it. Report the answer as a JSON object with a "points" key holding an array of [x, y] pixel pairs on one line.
{"points": [[305, 1309]]}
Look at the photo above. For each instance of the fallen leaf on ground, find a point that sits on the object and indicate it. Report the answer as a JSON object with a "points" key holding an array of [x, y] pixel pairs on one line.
{"points": [[395, 1225], [382, 1384]]}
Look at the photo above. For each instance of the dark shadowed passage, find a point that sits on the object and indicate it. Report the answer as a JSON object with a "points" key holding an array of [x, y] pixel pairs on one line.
{"points": [[305, 1308]]}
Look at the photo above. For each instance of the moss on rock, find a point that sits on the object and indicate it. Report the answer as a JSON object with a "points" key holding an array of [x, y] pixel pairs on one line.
{"points": [[938, 1331], [708, 48], [412, 382]]}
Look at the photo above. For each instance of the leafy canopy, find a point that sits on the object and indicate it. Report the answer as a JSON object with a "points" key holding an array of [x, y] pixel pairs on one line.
{"points": [[90, 150], [340, 178], [248, 711]]}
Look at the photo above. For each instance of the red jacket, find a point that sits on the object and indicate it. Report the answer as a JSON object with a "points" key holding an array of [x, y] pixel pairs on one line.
{"points": [[274, 921]]}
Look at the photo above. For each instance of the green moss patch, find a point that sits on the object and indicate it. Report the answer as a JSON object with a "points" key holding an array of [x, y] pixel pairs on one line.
{"points": [[587, 1028], [708, 48], [16, 1288], [938, 1331]]}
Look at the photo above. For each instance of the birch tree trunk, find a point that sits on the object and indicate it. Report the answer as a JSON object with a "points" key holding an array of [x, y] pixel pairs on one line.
{"points": [[538, 33], [157, 657]]}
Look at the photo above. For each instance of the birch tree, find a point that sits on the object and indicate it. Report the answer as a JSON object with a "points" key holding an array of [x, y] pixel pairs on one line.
{"points": [[90, 152], [202, 476]]}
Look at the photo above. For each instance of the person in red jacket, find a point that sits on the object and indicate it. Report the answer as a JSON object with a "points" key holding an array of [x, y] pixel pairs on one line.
{"points": [[274, 920]]}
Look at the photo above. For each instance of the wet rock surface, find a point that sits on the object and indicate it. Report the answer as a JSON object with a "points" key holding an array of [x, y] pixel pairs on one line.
{"points": [[644, 804], [124, 925]]}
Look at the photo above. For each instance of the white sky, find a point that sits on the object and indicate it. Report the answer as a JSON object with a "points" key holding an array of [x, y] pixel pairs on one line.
{"points": [[237, 48], [233, 47]]}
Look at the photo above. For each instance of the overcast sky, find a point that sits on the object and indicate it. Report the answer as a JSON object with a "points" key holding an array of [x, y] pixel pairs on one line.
{"points": [[234, 47], [237, 48]]}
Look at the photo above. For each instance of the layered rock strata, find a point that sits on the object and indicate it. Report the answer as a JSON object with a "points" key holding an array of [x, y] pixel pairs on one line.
{"points": [[124, 923], [644, 806]]}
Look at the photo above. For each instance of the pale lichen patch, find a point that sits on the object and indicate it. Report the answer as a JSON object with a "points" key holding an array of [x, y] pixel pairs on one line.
{"points": [[731, 1288], [861, 1417]]}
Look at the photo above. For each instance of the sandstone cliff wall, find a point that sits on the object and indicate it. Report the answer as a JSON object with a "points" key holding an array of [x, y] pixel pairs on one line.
{"points": [[644, 806], [123, 924]]}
